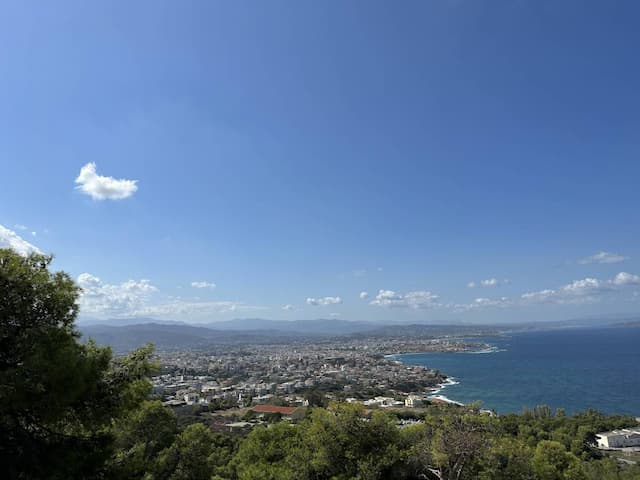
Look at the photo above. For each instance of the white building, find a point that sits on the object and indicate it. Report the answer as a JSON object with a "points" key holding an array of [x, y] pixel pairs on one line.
{"points": [[382, 402], [413, 401], [626, 437]]}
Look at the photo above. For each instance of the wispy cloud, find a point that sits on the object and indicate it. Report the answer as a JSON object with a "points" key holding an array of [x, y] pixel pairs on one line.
{"points": [[104, 188], [135, 298], [323, 301], [364, 295], [414, 300], [584, 291], [203, 284], [180, 308], [10, 239], [488, 282], [587, 290], [288, 307], [603, 257]]}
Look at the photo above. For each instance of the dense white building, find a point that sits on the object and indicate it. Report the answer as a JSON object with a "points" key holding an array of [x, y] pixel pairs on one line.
{"points": [[626, 437]]}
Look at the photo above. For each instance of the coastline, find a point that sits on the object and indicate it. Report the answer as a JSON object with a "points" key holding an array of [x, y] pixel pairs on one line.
{"points": [[435, 394]]}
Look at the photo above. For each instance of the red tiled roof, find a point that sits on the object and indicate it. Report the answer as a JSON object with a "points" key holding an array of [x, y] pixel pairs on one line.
{"points": [[274, 409]]}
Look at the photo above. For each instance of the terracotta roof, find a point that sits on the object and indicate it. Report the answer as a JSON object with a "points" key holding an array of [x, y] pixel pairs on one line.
{"points": [[274, 409]]}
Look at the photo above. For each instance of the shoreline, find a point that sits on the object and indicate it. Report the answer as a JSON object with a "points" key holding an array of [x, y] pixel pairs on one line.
{"points": [[435, 394]]}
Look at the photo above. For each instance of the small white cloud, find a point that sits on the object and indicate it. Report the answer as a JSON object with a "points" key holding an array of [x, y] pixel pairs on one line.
{"points": [[203, 284], [104, 188], [489, 282], [364, 295], [603, 257], [323, 301], [10, 239], [288, 307], [414, 300], [491, 302], [624, 278], [19, 226], [33, 234]]}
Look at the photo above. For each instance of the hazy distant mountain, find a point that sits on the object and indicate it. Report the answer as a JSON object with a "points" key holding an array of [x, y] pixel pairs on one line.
{"points": [[124, 338], [127, 334], [319, 326], [119, 322]]}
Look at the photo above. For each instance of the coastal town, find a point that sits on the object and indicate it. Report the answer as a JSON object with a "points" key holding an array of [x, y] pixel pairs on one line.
{"points": [[293, 375]]}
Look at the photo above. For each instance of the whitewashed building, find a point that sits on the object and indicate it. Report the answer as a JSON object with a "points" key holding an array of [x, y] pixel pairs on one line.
{"points": [[626, 437]]}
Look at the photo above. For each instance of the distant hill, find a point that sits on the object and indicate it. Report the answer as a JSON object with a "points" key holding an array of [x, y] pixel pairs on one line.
{"points": [[124, 338], [319, 326], [119, 322]]}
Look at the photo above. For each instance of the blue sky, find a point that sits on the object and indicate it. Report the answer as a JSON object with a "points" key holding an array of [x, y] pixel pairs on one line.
{"points": [[296, 154]]}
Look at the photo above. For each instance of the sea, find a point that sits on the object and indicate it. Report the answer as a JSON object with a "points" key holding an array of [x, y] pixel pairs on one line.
{"points": [[573, 368]]}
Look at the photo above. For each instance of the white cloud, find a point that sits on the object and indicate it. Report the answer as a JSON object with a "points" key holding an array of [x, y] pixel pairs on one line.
{"points": [[19, 226], [288, 307], [10, 239], [133, 299], [624, 278], [603, 257], [491, 302], [489, 282], [189, 309], [364, 295], [104, 299], [323, 301], [104, 188], [203, 285], [414, 300], [586, 290]]}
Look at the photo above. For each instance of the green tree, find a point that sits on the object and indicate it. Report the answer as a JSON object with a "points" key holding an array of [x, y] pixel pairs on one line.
{"points": [[58, 397], [140, 436], [459, 443], [507, 459], [271, 454], [196, 454], [551, 461], [344, 444]]}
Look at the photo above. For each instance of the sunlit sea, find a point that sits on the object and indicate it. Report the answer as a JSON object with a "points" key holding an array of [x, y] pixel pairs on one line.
{"points": [[573, 368]]}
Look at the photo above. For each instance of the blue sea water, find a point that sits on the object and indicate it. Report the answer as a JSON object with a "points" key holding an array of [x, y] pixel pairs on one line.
{"points": [[574, 369]]}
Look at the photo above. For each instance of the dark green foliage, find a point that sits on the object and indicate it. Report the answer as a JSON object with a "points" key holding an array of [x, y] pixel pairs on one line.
{"points": [[58, 397], [196, 454]]}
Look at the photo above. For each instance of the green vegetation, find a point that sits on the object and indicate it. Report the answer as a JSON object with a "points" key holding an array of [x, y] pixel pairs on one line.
{"points": [[69, 410]]}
